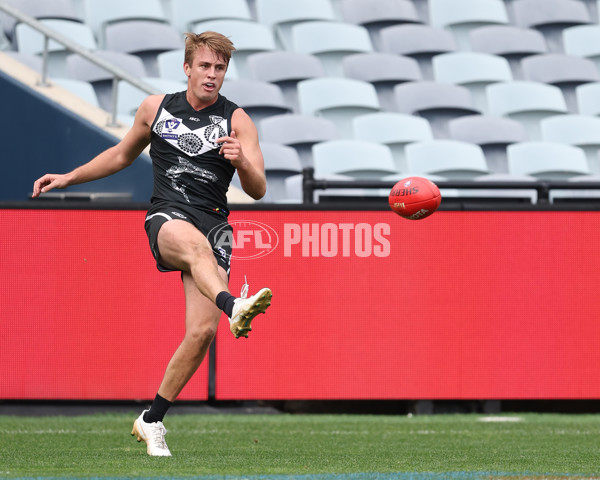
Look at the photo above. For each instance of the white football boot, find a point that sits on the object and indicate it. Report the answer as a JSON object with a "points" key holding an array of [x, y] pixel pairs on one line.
{"points": [[245, 309], [154, 436]]}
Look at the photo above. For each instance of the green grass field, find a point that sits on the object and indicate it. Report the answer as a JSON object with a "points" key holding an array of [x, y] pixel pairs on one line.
{"points": [[287, 446]]}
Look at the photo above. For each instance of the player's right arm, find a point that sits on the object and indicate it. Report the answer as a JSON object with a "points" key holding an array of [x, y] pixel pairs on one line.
{"points": [[111, 160]]}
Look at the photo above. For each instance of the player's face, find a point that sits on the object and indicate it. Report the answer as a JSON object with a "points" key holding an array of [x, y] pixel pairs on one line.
{"points": [[206, 75]]}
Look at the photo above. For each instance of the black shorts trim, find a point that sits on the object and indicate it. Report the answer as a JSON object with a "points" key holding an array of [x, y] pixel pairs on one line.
{"points": [[214, 227]]}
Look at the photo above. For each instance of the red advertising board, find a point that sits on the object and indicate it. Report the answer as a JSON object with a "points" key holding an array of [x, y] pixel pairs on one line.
{"points": [[366, 305]]}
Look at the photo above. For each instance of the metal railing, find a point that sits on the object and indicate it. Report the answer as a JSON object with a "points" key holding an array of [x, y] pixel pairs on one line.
{"points": [[542, 187], [51, 34]]}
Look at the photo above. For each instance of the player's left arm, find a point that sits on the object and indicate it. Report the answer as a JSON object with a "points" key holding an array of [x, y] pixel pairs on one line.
{"points": [[242, 149]]}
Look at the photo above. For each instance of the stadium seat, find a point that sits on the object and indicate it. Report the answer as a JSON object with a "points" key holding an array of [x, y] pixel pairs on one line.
{"points": [[56, 9], [582, 131], [583, 41], [338, 100], [298, 131], [448, 158], [437, 102], [259, 99], [547, 160], [30, 60], [395, 130], [526, 102], [377, 14], [473, 70], [330, 41], [30, 41], [588, 98], [550, 17], [248, 38], [285, 69], [182, 14], [510, 42], [463, 16], [130, 97], [564, 71], [282, 16], [356, 158], [81, 88], [281, 162], [78, 68], [383, 70], [420, 42], [146, 39], [492, 134], [100, 13]]}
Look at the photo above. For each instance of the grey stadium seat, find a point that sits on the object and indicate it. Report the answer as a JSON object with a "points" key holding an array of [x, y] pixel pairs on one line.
{"points": [[377, 14], [564, 71], [383, 70], [451, 159], [183, 14], [510, 42], [337, 99], [463, 16], [258, 99], [437, 102], [492, 134], [146, 39], [526, 102], [420, 42], [298, 131], [285, 69], [547, 160], [79, 68], [551, 17], [331, 42]]}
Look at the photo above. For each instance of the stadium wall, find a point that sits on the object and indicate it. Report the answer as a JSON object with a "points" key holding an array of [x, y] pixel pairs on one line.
{"points": [[29, 128], [366, 305]]}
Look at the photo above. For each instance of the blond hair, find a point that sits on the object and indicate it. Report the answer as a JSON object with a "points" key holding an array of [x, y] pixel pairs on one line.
{"points": [[217, 42]]}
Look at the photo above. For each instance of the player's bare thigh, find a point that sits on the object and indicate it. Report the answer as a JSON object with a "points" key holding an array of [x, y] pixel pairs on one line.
{"points": [[179, 242]]}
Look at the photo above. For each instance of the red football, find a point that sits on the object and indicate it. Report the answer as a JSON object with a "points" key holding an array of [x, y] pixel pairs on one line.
{"points": [[415, 198]]}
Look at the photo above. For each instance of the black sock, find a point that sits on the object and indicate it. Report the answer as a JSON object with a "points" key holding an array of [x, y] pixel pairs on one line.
{"points": [[225, 301], [158, 409]]}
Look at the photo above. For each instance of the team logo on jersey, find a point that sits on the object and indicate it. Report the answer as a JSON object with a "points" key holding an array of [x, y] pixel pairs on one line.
{"points": [[170, 124]]}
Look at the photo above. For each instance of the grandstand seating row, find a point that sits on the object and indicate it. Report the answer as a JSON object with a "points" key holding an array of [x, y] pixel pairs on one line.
{"points": [[484, 76]]}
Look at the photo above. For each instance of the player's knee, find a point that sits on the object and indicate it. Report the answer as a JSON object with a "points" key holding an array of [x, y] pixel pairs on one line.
{"points": [[202, 335]]}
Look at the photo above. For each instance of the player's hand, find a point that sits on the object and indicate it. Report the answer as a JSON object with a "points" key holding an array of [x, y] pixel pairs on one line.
{"points": [[231, 149], [49, 182]]}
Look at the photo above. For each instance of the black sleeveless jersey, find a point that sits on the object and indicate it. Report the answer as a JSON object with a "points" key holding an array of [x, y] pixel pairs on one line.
{"points": [[185, 156]]}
